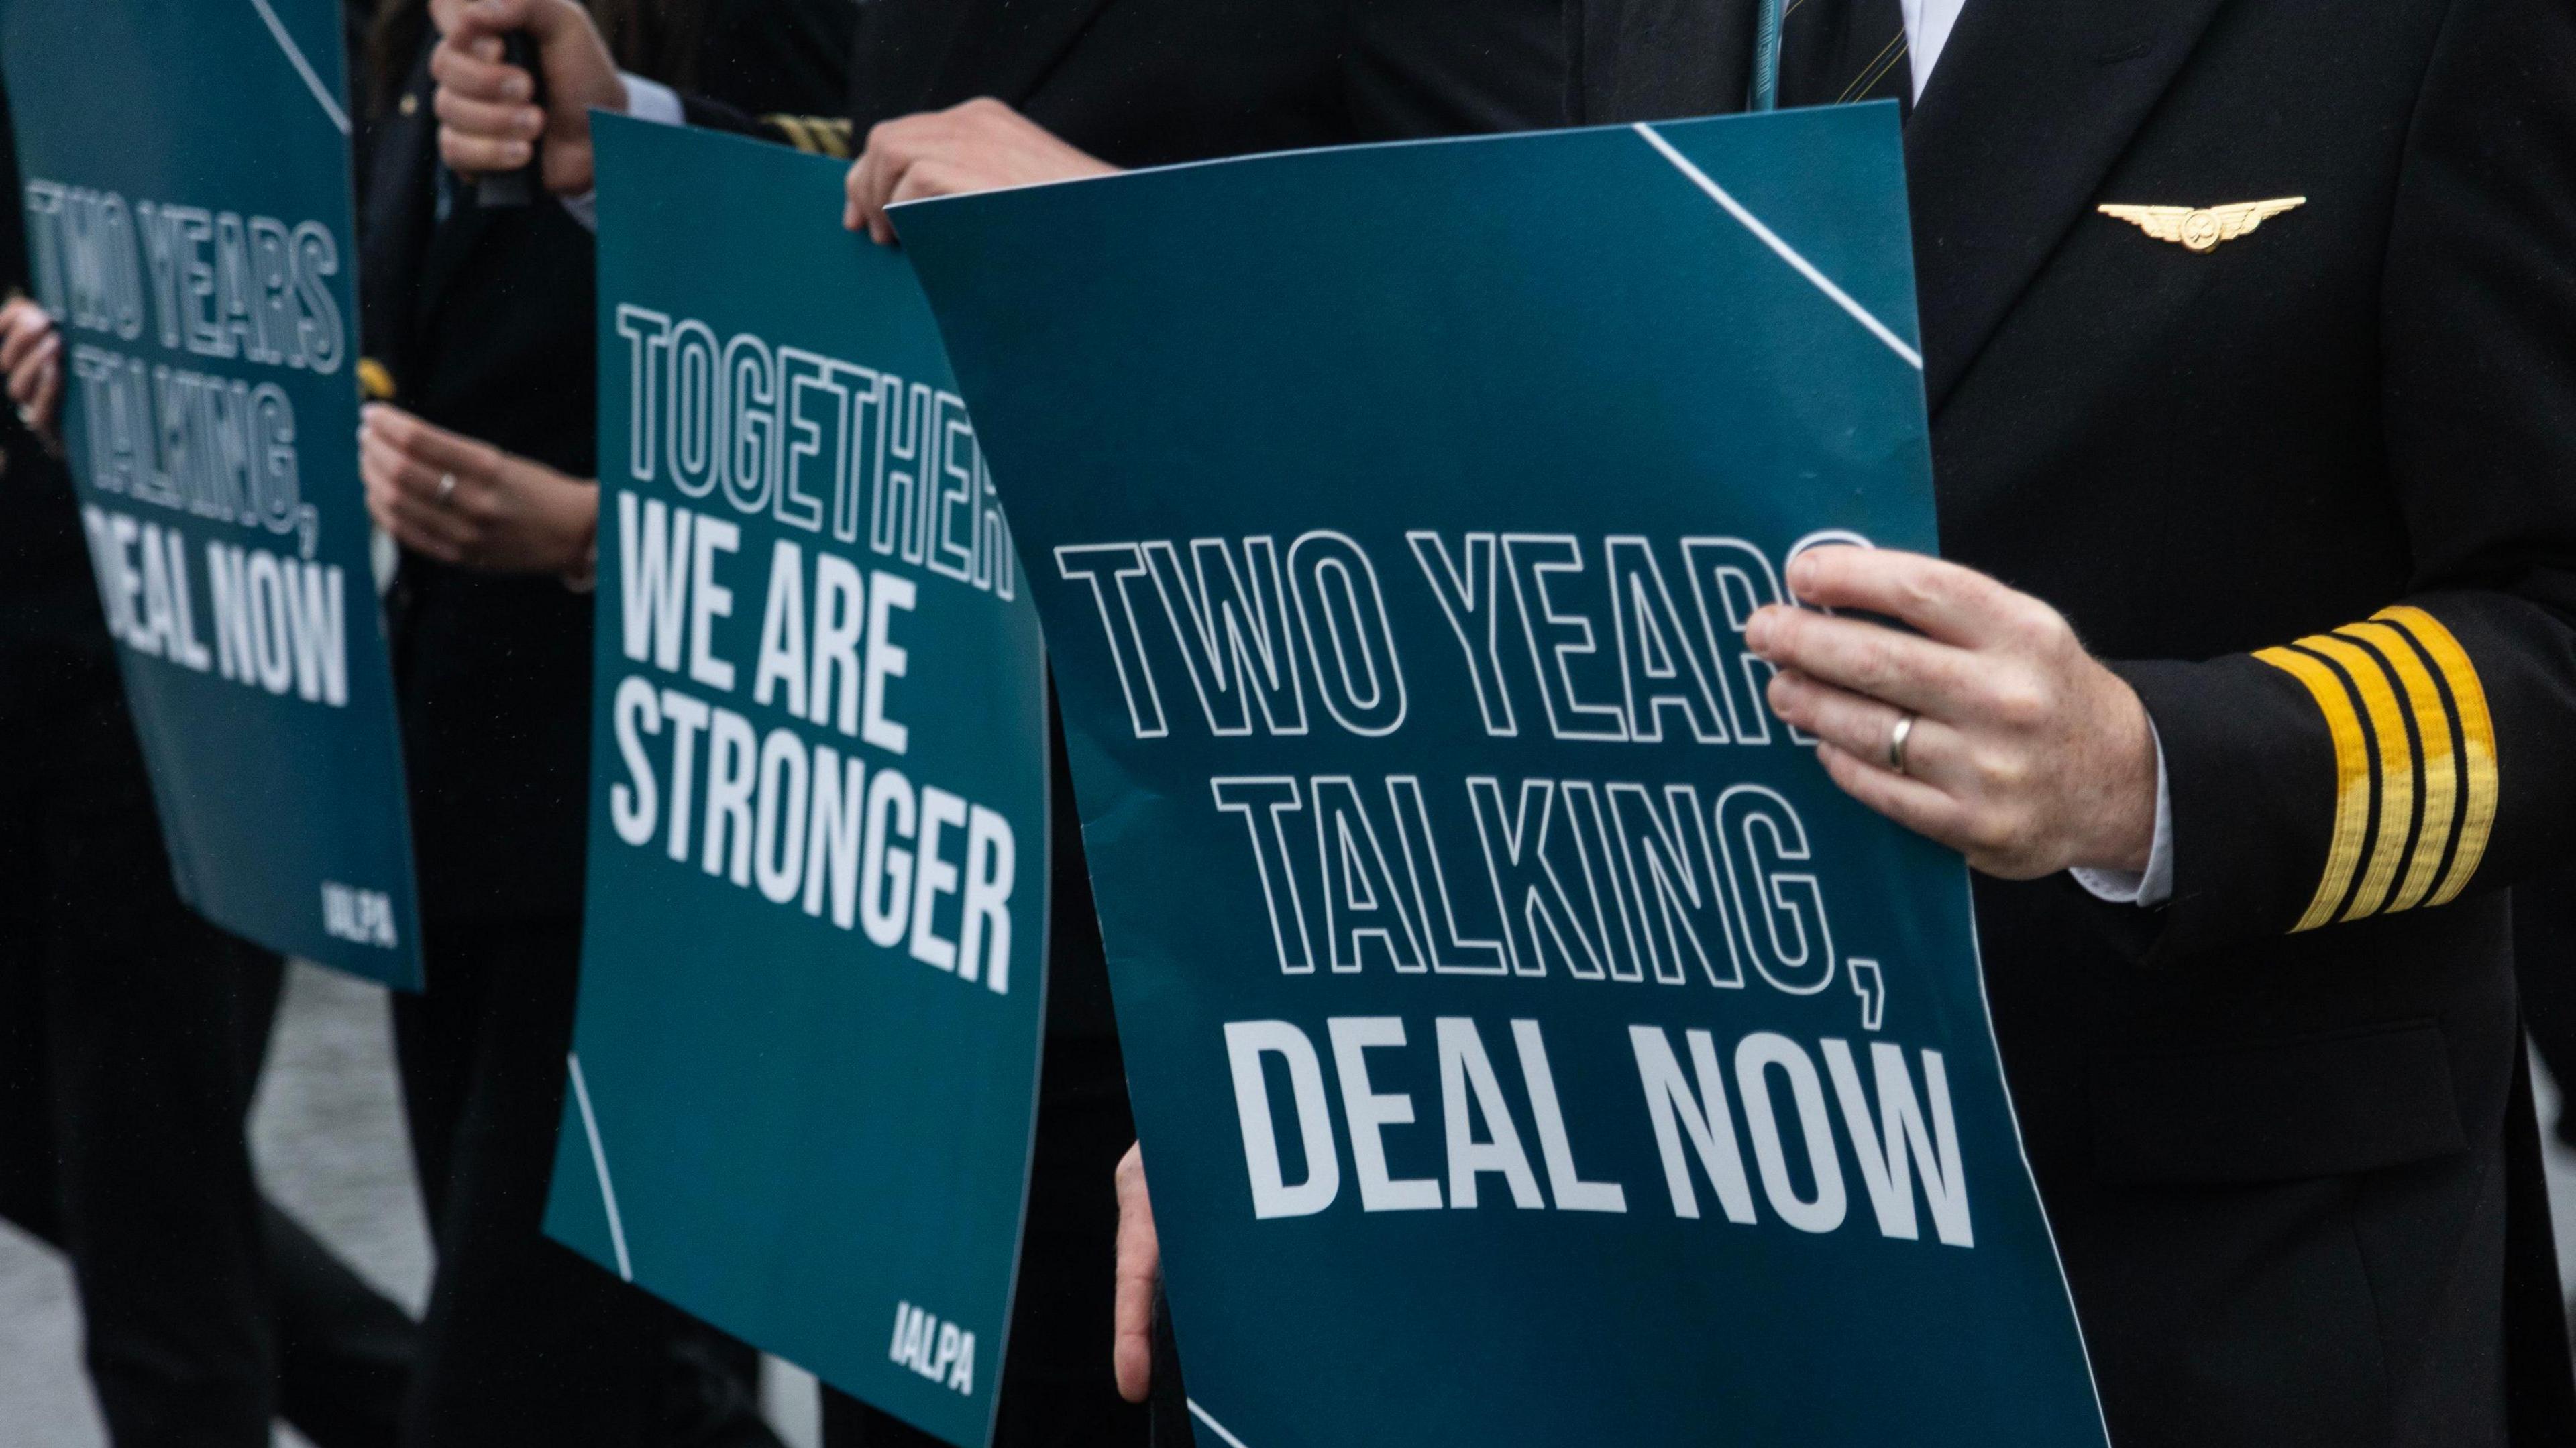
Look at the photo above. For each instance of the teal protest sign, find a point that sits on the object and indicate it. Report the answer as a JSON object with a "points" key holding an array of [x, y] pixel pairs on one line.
{"points": [[1530, 1044], [187, 199], [804, 1074]]}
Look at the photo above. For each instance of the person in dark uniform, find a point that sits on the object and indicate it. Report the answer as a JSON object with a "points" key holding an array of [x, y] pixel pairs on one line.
{"points": [[960, 94], [2246, 793], [131, 1030], [479, 329]]}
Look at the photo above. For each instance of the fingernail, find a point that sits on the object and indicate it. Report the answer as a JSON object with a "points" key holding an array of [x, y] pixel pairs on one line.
{"points": [[1757, 629], [532, 120], [1802, 571]]}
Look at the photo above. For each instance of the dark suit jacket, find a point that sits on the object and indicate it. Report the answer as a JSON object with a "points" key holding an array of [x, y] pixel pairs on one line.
{"points": [[483, 321], [2280, 1124]]}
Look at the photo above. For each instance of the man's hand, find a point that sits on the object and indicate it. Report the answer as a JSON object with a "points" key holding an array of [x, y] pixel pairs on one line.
{"points": [[487, 121], [2026, 755], [1140, 1271], [982, 145], [31, 352], [467, 502]]}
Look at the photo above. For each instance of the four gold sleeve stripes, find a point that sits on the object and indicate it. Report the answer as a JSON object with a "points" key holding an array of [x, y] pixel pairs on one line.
{"points": [[822, 135], [2415, 765]]}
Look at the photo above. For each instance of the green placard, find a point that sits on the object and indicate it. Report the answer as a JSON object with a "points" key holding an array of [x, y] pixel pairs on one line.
{"points": [[1530, 1043], [813, 963], [187, 191]]}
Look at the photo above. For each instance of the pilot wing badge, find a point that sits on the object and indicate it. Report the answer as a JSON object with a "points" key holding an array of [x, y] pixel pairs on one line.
{"points": [[2201, 228]]}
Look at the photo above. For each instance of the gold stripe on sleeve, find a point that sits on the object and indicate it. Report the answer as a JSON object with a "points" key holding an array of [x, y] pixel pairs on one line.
{"points": [[2396, 760], [2441, 762], [2352, 778], [2477, 740], [797, 136], [817, 135]]}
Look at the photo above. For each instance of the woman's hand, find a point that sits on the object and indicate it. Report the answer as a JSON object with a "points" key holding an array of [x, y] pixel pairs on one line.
{"points": [[31, 352], [460, 501], [1140, 1271]]}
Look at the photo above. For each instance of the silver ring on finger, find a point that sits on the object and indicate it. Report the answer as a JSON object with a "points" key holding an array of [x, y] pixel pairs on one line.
{"points": [[446, 488], [1897, 737]]}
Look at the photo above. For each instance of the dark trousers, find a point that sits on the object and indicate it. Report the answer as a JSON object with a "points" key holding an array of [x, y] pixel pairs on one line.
{"points": [[131, 1035], [525, 1342], [1057, 1391]]}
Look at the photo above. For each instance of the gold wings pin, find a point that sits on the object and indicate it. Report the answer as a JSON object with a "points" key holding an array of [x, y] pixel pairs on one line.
{"points": [[2201, 228]]}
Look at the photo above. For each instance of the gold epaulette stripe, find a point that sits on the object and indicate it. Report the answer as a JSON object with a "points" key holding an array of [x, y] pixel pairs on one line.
{"points": [[2415, 793], [2396, 773], [2477, 740], [2352, 779], [821, 135], [2433, 745]]}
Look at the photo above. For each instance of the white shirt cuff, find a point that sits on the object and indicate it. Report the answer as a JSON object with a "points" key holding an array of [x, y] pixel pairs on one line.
{"points": [[2154, 885], [650, 100], [646, 100]]}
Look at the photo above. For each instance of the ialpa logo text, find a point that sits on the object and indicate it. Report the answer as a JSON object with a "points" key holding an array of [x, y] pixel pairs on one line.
{"points": [[939, 1351]]}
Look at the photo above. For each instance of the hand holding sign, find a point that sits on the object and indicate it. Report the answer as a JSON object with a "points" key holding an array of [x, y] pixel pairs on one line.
{"points": [[978, 146], [2026, 754], [31, 352], [1140, 1274], [487, 118]]}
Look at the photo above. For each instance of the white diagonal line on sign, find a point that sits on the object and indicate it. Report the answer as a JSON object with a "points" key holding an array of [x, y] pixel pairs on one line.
{"points": [[1786, 252], [1218, 1428], [303, 67], [599, 1159]]}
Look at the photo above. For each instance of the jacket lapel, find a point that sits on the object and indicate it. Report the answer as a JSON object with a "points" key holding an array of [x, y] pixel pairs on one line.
{"points": [[2031, 103]]}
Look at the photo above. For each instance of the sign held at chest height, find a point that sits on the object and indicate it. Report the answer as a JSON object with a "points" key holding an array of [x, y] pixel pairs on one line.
{"points": [[1503, 988], [186, 190], [813, 967]]}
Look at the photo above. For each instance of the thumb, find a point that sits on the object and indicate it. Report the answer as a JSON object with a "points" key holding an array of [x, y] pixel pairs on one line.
{"points": [[1140, 1265]]}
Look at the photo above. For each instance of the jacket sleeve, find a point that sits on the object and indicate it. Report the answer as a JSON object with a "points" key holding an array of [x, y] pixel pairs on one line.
{"points": [[820, 135], [2428, 752]]}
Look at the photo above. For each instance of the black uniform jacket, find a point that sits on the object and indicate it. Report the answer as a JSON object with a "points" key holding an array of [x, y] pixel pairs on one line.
{"points": [[2315, 489], [482, 320]]}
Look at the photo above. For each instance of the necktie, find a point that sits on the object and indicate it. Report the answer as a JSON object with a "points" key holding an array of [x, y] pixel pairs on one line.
{"points": [[1834, 51]]}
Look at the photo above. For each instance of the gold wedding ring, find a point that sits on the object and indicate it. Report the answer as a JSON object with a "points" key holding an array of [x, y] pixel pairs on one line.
{"points": [[1896, 738], [446, 487]]}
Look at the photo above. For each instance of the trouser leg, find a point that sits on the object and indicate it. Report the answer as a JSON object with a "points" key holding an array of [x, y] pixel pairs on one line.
{"points": [[524, 1342], [344, 1349], [152, 1021]]}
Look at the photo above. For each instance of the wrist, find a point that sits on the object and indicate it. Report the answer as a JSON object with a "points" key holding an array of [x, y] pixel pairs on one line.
{"points": [[578, 561], [2127, 808]]}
